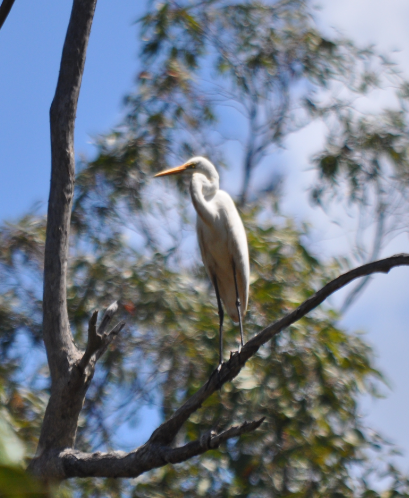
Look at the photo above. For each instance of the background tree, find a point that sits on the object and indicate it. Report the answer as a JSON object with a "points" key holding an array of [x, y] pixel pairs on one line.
{"points": [[161, 295]]}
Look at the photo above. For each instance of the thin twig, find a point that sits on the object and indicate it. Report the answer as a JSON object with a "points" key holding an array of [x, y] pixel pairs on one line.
{"points": [[98, 339]]}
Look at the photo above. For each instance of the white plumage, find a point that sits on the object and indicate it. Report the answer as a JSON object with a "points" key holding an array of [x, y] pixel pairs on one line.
{"points": [[222, 239]]}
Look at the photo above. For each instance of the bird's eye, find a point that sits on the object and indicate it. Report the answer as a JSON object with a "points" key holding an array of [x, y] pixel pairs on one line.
{"points": [[193, 166]]}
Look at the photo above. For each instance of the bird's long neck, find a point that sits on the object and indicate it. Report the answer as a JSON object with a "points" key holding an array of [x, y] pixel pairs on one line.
{"points": [[202, 190]]}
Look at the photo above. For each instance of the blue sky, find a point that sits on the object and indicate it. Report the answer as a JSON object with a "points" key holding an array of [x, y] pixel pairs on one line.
{"points": [[30, 48]]}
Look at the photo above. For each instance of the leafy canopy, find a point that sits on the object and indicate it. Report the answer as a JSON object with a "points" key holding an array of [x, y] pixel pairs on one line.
{"points": [[269, 65]]}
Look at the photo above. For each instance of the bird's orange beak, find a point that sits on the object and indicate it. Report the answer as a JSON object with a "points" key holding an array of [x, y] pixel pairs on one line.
{"points": [[173, 171]]}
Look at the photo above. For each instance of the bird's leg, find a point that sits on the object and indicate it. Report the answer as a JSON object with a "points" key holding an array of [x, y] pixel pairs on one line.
{"points": [[238, 306], [221, 317]]}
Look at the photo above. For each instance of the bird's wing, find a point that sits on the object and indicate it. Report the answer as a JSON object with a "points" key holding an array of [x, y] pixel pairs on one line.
{"points": [[238, 249], [223, 245]]}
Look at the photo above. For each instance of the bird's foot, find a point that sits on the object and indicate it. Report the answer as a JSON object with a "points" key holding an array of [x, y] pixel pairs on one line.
{"points": [[238, 352], [216, 371], [234, 353]]}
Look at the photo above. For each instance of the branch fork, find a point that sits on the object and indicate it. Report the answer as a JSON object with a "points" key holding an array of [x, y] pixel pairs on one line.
{"points": [[158, 450], [98, 338]]}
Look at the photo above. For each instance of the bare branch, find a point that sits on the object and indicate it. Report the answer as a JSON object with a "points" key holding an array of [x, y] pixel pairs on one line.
{"points": [[5, 8], [93, 344], [60, 348], [106, 319], [109, 337], [70, 463], [157, 451], [209, 441], [99, 340], [61, 416], [165, 433]]}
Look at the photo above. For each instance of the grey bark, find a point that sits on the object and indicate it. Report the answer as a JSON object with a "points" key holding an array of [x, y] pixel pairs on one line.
{"points": [[70, 463], [60, 421]]}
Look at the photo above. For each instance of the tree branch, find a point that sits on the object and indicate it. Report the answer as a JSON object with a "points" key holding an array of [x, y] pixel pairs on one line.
{"points": [[157, 452], [99, 340], [166, 432], [5, 8], [60, 348], [70, 463], [67, 397]]}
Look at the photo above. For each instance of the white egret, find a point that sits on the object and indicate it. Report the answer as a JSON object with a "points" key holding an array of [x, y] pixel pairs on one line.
{"points": [[222, 240]]}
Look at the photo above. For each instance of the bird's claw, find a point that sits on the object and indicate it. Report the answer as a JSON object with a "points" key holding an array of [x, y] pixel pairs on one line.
{"points": [[216, 371], [238, 352], [233, 353]]}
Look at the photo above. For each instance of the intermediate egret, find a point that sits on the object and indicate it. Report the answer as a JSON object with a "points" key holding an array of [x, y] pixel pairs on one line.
{"points": [[222, 240]]}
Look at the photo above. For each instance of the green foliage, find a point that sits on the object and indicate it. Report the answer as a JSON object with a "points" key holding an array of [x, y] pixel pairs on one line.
{"points": [[131, 241], [306, 383], [14, 482], [266, 60], [368, 154]]}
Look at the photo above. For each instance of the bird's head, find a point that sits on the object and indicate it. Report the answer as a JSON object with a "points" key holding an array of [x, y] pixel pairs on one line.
{"points": [[194, 165]]}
